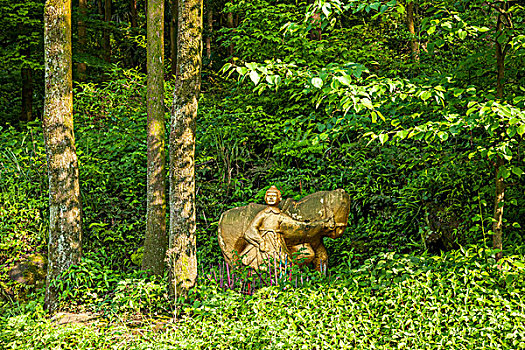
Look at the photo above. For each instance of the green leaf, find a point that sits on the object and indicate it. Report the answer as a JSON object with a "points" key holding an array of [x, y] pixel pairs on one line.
{"points": [[425, 95], [521, 129], [317, 82], [225, 68], [366, 103], [345, 80], [517, 171], [383, 138], [443, 135], [462, 34], [254, 76], [504, 172], [242, 70], [505, 111], [431, 30], [402, 134]]}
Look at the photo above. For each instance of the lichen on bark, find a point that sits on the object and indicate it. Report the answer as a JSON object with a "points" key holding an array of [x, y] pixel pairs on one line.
{"points": [[156, 240], [182, 241], [65, 230]]}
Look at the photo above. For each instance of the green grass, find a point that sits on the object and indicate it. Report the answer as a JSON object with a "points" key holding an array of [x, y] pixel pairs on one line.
{"points": [[460, 300]]}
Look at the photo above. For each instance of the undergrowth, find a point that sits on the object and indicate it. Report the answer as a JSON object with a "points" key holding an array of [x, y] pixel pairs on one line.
{"points": [[458, 300]]}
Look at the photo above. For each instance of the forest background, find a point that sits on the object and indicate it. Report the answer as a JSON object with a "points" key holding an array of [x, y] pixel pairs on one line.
{"points": [[416, 109]]}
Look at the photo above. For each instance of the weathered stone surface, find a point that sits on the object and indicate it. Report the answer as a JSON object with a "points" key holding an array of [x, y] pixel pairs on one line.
{"points": [[321, 214], [66, 317], [30, 272]]}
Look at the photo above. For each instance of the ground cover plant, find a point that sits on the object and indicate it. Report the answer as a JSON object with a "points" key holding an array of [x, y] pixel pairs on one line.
{"points": [[455, 300]]}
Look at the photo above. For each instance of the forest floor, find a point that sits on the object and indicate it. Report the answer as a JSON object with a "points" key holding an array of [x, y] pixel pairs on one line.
{"points": [[459, 300]]}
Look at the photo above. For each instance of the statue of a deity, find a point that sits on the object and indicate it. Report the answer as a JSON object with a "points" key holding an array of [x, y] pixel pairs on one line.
{"points": [[284, 231]]}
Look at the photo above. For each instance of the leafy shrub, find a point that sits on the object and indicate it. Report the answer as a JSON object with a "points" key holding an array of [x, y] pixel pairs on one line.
{"points": [[462, 299]]}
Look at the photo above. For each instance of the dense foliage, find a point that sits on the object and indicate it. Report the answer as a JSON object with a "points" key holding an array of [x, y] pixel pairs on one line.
{"points": [[310, 96], [458, 300]]}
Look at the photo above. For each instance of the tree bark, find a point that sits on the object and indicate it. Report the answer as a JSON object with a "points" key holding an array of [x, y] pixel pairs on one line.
{"points": [[210, 31], [82, 37], [134, 14], [156, 240], [500, 58], [182, 247], [174, 7], [27, 94], [65, 231], [414, 45], [107, 34], [229, 22], [497, 225]]}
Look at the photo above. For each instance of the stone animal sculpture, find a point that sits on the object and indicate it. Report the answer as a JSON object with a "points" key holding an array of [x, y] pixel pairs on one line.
{"points": [[321, 214]]}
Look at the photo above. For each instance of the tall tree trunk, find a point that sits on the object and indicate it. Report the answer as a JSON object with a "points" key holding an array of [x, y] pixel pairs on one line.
{"points": [[156, 240], [182, 239], [65, 231], [229, 22], [134, 14], [82, 37], [414, 45], [107, 32], [27, 93], [174, 9], [497, 225], [210, 31], [500, 58]]}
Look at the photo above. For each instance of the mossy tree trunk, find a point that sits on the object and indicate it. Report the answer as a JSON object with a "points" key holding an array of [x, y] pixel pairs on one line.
{"points": [[182, 242], [414, 45], [156, 240], [65, 230]]}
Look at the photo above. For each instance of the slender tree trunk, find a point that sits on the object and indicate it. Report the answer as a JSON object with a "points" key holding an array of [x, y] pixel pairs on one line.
{"points": [[27, 94], [156, 240], [497, 225], [174, 7], [65, 231], [229, 22], [182, 239], [210, 31], [134, 13], [82, 37], [500, 58], [414, 45], [107, 33]]}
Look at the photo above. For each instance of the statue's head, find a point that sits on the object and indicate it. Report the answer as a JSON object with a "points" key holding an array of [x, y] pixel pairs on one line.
{"points": [[273, 196]]}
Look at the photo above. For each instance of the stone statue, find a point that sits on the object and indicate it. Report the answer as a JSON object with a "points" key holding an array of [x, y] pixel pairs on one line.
{"points": [[284, 230]]}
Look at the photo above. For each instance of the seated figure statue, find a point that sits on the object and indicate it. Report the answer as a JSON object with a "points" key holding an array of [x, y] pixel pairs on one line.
{"points": [[264, 235], [281, 230]]}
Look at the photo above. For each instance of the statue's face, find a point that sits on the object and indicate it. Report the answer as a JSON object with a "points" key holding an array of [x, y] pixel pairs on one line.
{"points": [[272, 198]]}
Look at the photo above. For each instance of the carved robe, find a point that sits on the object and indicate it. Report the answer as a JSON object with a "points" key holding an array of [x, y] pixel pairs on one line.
{"points": [[265, 238]]}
